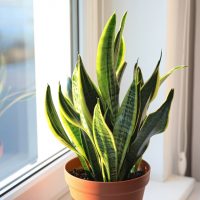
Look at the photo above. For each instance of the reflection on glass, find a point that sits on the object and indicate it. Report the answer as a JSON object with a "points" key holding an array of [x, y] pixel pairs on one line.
{"points": [[18, 138]]}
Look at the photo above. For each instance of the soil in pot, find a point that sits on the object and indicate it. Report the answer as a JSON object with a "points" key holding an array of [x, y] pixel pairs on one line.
{"points": [[80, 173]]}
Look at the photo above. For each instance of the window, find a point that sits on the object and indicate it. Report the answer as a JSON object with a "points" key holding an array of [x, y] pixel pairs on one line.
{"points": [[17, 136], [35, 49]]}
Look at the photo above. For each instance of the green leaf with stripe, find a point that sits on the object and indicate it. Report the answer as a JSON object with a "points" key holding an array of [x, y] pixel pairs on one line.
{"points": [[85, 95], [121, 55], [120, 48], [67, 109], [93, 157], [77, 98], [69, 89], [88, 89], [59, 132], [126, 120], [75, 135], [54, 121], [106, 74], [163, 78], [149, 90], [140, 76], [105, 144], [120, 72], [71, 121], [84, 164], [155, 123]]}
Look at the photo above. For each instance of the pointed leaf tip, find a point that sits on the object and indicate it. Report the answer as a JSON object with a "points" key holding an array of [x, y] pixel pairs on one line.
{"points": [[171, 94], [112, 18]]}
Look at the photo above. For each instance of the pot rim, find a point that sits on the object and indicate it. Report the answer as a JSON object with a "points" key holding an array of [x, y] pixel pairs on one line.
{"points": [[147, 173]]}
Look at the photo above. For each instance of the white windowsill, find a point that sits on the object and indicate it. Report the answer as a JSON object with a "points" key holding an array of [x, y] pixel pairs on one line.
{"points": [[174, 188], [196, 192], [47, 184]]}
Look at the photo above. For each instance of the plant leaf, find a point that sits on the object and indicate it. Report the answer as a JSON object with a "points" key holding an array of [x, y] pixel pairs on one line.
{"points": [[82, 86], [103, 171], [106, 75], [126, 120], [71, 121], [155, 123], [105, 144], [54, 121], [149, 90], [79, 102], [138, 121], [107, 118], [85, 165], [119, 49], [93, 157], [85, 95], [163, 78], [121, 55], [67, 109], [74, 134], [140, 76], [120, 72], [88, 90], [69, 89]]}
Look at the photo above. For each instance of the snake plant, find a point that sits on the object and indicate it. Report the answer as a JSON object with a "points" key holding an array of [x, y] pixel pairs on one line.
{"points": [[109, 138]]}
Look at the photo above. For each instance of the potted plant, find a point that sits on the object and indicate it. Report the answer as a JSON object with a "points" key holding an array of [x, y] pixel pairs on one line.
{"points": [[108, 138]]}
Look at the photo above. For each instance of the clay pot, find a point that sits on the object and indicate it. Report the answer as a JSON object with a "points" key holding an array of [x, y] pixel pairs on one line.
{"points": [[91, 190]]}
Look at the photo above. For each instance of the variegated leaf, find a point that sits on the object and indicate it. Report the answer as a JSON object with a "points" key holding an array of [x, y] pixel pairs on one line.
{"points": [[106, 74], [121, 55], [69, 89], [54, 121], [140, 76], [163, 78], [105, 144], [71, 121], [149, 90], [93, 157], [155, 123], [74, 134], [77, 98], [120, 72], [67, 109], [126, 120], [84, 164], [88, 90], [120, 48]]}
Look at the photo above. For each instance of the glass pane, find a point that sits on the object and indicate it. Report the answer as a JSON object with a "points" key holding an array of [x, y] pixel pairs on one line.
{"points": [[27, 52], [18, 106]]}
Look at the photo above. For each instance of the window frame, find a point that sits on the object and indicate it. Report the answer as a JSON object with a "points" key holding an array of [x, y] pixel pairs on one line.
{"points": [[32, 182]]}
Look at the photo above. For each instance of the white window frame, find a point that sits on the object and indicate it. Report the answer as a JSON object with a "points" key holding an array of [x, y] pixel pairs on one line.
{"points": [[46, 181]]}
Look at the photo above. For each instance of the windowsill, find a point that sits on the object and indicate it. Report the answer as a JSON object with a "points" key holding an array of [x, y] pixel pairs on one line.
{"points": [[175, 188], [46, 184], [196, 192]]}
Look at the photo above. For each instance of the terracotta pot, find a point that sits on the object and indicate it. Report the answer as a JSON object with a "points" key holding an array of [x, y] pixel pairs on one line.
{"points": [[91, 190]]}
